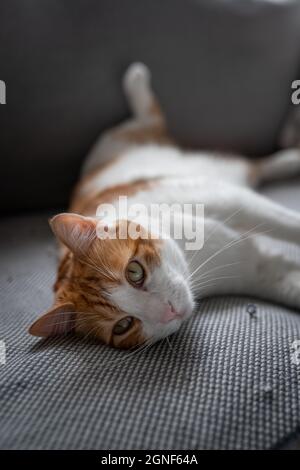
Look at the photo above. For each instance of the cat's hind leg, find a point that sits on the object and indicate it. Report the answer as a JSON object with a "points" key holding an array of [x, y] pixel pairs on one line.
{"points": [[281, 165], [256, 172], [147, 124], [140, 96]]}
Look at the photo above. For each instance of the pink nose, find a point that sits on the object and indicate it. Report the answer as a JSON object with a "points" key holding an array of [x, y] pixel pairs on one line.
{"points": [[169, 314]]}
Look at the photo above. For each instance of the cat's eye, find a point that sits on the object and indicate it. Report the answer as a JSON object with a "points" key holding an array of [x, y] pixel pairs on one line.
{"points": [[135, 273], [123, 326]]}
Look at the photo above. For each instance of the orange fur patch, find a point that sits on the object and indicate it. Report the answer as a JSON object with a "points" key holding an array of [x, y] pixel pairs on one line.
{"points": [[87, 205]]}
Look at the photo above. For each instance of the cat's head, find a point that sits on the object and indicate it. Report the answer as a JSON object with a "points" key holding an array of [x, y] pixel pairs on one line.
{"points": [[123, 291]]}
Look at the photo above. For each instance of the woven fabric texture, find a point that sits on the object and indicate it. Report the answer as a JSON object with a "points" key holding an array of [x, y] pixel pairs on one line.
{"points": [[225, 380]]}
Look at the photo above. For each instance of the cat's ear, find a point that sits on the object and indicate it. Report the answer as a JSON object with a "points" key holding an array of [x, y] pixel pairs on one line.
{"points": [[75, 231], [57, 321]]}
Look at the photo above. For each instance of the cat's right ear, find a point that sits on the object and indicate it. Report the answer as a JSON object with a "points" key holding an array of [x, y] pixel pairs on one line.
{"points": [[57, 321], [74, 231]]}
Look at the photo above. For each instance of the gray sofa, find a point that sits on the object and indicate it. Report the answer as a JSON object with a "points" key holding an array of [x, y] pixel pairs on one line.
{"points": [[222, 69]]}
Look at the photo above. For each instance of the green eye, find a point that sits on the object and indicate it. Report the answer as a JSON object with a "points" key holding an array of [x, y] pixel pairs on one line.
{"points": [[135, 273], [123, 326]]}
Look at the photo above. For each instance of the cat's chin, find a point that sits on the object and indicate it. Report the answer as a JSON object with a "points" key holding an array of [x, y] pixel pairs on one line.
{"points": [[168, 329]]}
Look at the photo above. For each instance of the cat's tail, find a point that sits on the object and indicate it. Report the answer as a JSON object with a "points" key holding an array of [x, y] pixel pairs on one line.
{"points": [[141, 98], [281, 165]]}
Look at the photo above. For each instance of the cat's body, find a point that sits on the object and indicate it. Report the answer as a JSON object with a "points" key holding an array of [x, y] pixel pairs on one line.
{"points": [[139, 160]]}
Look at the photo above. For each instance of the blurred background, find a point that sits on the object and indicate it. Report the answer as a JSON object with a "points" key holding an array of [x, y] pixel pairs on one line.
{"points": [[222, 70]]}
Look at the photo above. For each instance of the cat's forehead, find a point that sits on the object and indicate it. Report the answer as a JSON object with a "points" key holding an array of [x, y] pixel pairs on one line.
{"points": [[116, 253]]}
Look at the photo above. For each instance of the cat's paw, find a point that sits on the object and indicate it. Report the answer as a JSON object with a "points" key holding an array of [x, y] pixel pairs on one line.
{"points": [[290, 288], [136, 77], [290, 134], [292, 157]]}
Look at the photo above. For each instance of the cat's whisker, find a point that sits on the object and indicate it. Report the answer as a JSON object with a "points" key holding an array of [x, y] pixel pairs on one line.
{"points": [[148, 346], [205, 287], [142, 347], [223, 222], [97, 269], [231, 244], [134, 351], [227, 245], [205, 277], [197, 283], [92, 330], [209, 281], [170, 346], [79, 321], [217, 268], [76, 321], [92, 264], [215, 228]]}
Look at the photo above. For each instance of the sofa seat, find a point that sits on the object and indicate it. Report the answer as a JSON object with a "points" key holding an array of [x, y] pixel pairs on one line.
{"points": [[226, 380]]}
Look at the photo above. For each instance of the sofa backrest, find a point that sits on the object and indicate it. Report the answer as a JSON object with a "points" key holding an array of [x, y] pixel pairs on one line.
{"points": [[222, 70]]}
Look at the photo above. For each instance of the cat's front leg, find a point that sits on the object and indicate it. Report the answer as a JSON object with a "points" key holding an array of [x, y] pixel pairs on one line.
{"points": [[243, 209], [240, 208], [275, 277], [240, 263]]}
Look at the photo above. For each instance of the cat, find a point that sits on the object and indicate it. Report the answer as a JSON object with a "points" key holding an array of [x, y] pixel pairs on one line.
{"points": [[128, 292], [290, 133]]}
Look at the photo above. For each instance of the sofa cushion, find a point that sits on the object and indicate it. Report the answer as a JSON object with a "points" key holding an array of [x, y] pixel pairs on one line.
{"points": [[222, 70], [227, 379]]}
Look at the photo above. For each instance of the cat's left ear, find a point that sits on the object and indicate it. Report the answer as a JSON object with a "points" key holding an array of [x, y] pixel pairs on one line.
{"points": [[57, 321], [75, 231]]}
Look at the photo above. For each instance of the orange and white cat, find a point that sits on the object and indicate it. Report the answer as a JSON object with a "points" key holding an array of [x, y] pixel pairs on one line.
{"points": [[132, 291]]}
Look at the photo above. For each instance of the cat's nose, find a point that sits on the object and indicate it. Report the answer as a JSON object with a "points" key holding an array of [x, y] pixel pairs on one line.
{"points": [[169, 314]]}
